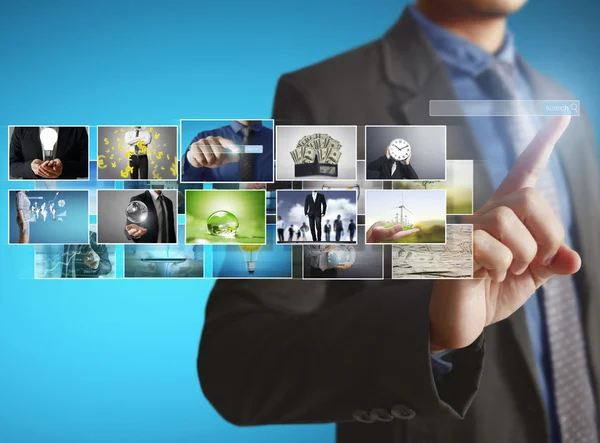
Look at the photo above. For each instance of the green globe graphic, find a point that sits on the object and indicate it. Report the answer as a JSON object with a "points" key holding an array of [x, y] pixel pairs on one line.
{"points": [[338, 256], [223, 224]]}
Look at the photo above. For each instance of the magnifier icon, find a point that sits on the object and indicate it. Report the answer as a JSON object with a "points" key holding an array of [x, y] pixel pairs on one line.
{"points": [[574, 107]]}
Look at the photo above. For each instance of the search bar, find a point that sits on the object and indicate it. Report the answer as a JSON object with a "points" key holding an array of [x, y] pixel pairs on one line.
{"points": [[502, 108], [239, 149]]}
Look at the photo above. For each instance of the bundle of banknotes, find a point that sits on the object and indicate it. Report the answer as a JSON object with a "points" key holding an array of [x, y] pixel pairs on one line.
{"points": [[322, 146]]}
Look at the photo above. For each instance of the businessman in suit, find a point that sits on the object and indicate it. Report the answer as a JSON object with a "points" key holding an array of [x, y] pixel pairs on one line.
{"points": [[315, 207], [387, 168], [404, 361], [159, 225], [69, 159]]}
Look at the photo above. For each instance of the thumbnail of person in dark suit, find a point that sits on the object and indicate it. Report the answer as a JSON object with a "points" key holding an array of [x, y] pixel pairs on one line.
{"points": [[327, 229], [315, 207], [402, 361], [351, 229], [69, 159], [86, 261], [291, 233], [137, 141], [338, 227], [389, 168], [159, 226]]}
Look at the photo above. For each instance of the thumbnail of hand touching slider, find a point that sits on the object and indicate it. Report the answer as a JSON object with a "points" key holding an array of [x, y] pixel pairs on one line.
{"points": [[213, 152]]}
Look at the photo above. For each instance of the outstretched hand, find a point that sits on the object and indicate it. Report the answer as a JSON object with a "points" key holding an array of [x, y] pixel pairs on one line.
{"points": [[377, 233], [518, 244]]}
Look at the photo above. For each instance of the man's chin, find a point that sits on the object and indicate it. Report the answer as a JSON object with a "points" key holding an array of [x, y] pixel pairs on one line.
{"points": [[492, 8]]}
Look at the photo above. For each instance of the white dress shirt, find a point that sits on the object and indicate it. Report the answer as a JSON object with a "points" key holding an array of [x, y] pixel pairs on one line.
{"points": [[280, 224], [131, 139]]}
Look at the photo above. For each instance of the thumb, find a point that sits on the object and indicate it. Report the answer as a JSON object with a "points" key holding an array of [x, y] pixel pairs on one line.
{"points": [[565, 262]]}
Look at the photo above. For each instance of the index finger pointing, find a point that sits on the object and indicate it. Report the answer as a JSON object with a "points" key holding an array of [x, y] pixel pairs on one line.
{"points": [[533, 160]]}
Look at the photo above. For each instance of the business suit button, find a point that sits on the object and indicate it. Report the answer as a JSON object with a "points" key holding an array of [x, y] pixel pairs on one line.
{"points": [[381, 414], [362, 416], [403, 412]]}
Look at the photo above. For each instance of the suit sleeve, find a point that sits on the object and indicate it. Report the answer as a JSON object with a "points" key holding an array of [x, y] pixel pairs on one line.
{"points": [[306, 205], [376, 164], [104, 266], [324, 206], [267, 359], [172, 220], [408, 171], [191, 173], [19, 167], [78, 166], [310, 251]]}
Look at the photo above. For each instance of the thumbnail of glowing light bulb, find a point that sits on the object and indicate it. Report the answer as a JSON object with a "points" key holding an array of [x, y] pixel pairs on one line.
{"points": [[48, 137], [250, 256]]}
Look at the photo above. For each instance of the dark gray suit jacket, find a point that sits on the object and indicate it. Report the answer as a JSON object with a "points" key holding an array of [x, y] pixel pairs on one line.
{"points": [[347, 352]]}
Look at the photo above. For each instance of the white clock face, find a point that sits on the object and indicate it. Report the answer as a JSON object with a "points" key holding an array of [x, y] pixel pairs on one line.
{"points": [[399, 149]]}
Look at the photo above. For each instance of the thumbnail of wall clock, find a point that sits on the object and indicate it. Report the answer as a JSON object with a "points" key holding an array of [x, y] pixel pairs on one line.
{"points": [[399, 149]]}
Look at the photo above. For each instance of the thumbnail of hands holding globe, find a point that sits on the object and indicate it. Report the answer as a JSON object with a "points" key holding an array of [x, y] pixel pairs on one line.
{"points": [[339, 257]]}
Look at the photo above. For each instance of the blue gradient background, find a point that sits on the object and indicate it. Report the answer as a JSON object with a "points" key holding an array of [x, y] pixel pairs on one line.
{"points": [[114, 360]]}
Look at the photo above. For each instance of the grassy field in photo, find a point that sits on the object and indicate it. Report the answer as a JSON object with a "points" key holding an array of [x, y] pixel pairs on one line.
{"points": [[430, 232], [458, 200]]}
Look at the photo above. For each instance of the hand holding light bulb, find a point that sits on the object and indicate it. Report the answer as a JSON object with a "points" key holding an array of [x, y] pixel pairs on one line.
{"points": [[50, 168], [35, 166]]}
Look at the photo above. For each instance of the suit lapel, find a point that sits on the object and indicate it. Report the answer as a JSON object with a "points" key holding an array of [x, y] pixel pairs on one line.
{"points": [[35, 136], [417, 84], [170, 216], [151, 213], [460, 141]]}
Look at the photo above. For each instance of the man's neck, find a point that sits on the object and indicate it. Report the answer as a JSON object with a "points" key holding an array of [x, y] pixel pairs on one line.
{"points": [[487, 32]]}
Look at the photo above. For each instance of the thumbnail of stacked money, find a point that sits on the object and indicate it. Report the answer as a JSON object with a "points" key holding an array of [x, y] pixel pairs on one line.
{"points": [[325, 148]]}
